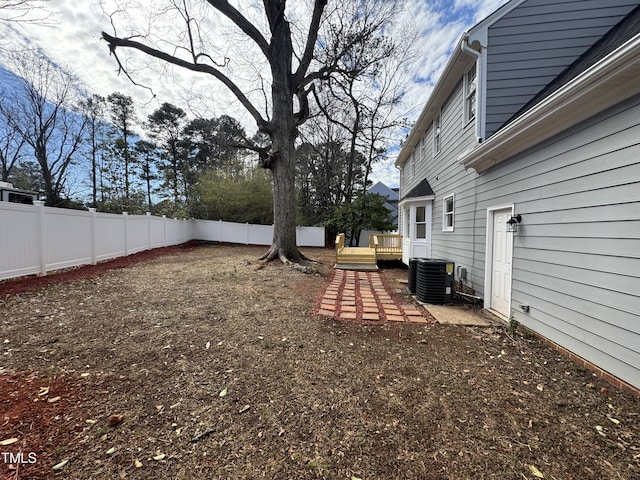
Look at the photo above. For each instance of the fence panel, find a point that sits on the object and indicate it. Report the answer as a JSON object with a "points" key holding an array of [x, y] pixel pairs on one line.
{"points": [[67, 237], [310, 236], [137, 233], [20, 252], [109, 236], [35, 239]]}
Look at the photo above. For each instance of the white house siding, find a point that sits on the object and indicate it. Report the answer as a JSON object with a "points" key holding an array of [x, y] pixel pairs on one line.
{"points": [[576, 259], [532, 44]]}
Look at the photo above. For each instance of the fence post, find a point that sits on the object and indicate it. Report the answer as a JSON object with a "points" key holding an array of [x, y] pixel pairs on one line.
{"points": [[164, 230], [94, 255], [39, 204], [125, 215], [148, 230]]}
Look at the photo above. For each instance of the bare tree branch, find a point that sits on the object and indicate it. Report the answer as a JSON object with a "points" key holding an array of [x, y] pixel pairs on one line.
{"points": [[115, 42], [224, 7], [312, 38]]}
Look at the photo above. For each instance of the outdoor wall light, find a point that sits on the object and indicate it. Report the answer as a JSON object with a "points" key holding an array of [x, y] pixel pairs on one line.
{"points": [[512, 223]]}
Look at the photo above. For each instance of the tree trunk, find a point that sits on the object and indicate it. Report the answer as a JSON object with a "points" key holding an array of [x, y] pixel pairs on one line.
{"points": [[283, 131]]}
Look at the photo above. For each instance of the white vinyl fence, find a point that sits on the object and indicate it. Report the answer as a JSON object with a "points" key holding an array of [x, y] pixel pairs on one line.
{"points": [[35, 239]]}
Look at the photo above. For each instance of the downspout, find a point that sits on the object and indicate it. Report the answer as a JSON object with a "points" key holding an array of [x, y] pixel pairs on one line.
{"points": [[466, 48]]}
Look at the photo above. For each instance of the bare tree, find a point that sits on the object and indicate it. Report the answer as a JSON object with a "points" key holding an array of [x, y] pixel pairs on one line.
{"points": [[94, 112], [45, 110], [24, 11], [297, 48], [11, 143]]}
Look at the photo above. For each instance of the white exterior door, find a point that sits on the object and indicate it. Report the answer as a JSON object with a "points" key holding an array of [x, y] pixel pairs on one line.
{"points": [[416, 229], [501, 263]]}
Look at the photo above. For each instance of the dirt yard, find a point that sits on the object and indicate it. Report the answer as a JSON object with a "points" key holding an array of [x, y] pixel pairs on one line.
{"points": [[194, 363]]}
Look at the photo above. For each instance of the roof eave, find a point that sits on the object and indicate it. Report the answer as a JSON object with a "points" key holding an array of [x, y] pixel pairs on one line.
{"points": [[606, 83]]}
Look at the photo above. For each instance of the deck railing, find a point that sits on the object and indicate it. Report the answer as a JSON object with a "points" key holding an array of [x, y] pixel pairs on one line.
{"points": [[387, 245]]}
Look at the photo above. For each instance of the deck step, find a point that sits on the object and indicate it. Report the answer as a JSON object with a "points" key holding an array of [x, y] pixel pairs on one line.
{"points": [[355, 266]]}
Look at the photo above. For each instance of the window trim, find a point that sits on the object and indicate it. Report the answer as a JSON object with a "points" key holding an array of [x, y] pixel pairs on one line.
{"points": [[445, 213], [468, 95], [437, 134], [416, 223]]}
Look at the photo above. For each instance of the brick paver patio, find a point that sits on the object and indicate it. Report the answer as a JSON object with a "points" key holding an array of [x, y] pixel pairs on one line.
{"points": [[362, 296]]}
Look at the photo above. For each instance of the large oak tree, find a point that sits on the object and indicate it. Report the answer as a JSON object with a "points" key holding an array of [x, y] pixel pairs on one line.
{"points": [[299, 50]]}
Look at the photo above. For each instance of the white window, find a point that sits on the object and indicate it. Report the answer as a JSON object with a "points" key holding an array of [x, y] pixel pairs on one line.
{"points": [[436, 134], [421, 223], [448, 210], [470, 93]]}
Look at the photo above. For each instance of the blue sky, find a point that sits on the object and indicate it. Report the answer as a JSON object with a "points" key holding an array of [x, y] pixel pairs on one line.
{"points": [[74, 42]]}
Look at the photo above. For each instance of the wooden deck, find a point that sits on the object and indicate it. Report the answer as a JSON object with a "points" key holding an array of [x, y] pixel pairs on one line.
{"points": [[381, 247]]}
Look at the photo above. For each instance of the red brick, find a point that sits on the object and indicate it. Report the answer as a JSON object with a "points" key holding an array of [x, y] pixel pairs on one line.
{"points": [[417, 319]]}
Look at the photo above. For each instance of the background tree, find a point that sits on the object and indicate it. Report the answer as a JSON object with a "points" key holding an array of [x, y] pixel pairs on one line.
{"points": [[165, 125], [11, 142], [27, 175], [289, 60], [147, 153], [322, 178], [366, 212], [247, 198], [122, 114], [94, 108], [45, 111]]}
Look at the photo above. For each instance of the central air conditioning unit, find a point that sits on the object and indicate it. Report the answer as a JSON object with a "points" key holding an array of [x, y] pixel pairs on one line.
{"points": [[434, 280], [413, 266]]}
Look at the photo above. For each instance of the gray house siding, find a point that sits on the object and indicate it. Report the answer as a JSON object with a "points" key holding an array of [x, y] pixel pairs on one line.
{"points": [[532, 44], [446, 176], [576, 259]]}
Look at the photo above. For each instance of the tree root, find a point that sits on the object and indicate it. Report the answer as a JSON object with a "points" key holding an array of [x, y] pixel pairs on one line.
{"points": [[274, 253]]}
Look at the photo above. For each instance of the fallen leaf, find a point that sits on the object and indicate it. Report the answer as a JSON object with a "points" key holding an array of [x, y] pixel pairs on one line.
{"points": [[159, 457], [540, 387], [85, 374], [614, 420], [8, 441], [535, 471], [43, 391], [54, 399], [110, 451], [115, 419], [600, 431], [207, 345], [90, 421], [138, 463], [244, 409], [61, 465], [223, 393]]}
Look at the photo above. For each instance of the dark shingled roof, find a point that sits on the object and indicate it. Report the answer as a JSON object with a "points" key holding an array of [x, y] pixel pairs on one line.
{"points": [[423, 189], [625, 30]]}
